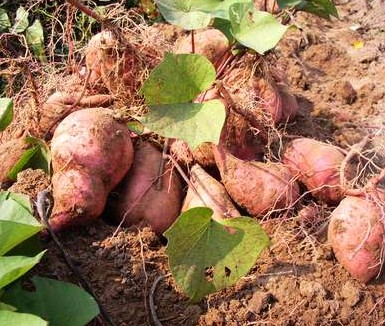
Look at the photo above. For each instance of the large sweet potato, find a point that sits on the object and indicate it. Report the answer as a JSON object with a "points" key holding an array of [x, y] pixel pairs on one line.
{"points": [[356, 233], [318, 166], [91, 153], [139, 201], [256, 186]]}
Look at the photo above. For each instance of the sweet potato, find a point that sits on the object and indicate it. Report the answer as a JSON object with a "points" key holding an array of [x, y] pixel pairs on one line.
{"points": [[264, 97], [211, 193], [139, 202], [318, 166], [111, 62], [10, 154], [208, 42], [356, 233], [258, 187], [91, 153]]}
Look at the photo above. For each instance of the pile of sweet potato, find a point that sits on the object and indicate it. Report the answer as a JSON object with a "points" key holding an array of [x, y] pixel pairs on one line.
{"points": [[96, 165]]}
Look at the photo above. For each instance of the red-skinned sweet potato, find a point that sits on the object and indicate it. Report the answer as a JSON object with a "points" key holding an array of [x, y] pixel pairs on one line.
{"points": [[256, 186], [317, 165], [211, 193], [208, 42], [91, 153], [139, 202], [111, 62], [356, 233]]}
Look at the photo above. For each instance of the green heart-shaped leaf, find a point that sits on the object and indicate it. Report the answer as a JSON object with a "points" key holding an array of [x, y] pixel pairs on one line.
{"points": [[194, 123], [258, 30], [206, 255], [60, 303]]}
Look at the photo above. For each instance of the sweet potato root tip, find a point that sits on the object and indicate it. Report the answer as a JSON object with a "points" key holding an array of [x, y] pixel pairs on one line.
{"points": [[78, 198]]}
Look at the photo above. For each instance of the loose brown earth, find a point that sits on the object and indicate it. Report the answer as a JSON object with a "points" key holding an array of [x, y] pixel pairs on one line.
{"points": [[341, 90]]}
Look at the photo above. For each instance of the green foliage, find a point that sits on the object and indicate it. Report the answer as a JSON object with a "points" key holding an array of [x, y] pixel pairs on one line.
{"points": [[6, 112], [21, 21], [206, 255], [194, 123], [179, 78], [195, 14], [14, 318], [61, 303], [322, 8], [34, 34], [35, 39], [16, 220], [184, 14], [5, 23], [58, 302], [169, 90], [12, 267], [36, 157], [255, 29]]}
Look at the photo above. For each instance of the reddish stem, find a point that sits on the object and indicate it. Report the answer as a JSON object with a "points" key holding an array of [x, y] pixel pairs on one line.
{"points": [[86, 10], [192, 41]]}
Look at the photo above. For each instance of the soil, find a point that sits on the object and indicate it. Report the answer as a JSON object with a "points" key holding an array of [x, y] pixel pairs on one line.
{"points": [[337, 71]]}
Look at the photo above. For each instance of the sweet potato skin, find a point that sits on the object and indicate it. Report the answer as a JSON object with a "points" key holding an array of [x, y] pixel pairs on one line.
{"points": [[91, 153], [139, 202], [212, 192], [79, 198], [356, 234], [318, 166], [92, 141], [208, 42], [258, 187]]}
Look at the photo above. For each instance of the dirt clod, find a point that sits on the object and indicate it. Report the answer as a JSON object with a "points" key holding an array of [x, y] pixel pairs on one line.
{"points": [[350, 293], [260, 301]]}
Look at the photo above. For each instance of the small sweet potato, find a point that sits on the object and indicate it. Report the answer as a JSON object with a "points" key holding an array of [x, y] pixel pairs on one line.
{"points": [[356, 233], [139, 201], [111, 62], [208, 192], [256, 186], [91, 153], [317, 165]]}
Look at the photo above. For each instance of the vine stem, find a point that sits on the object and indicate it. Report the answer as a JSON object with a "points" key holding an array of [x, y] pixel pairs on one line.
{"points": [[88, 11], [192, 41], [43, 207]]}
